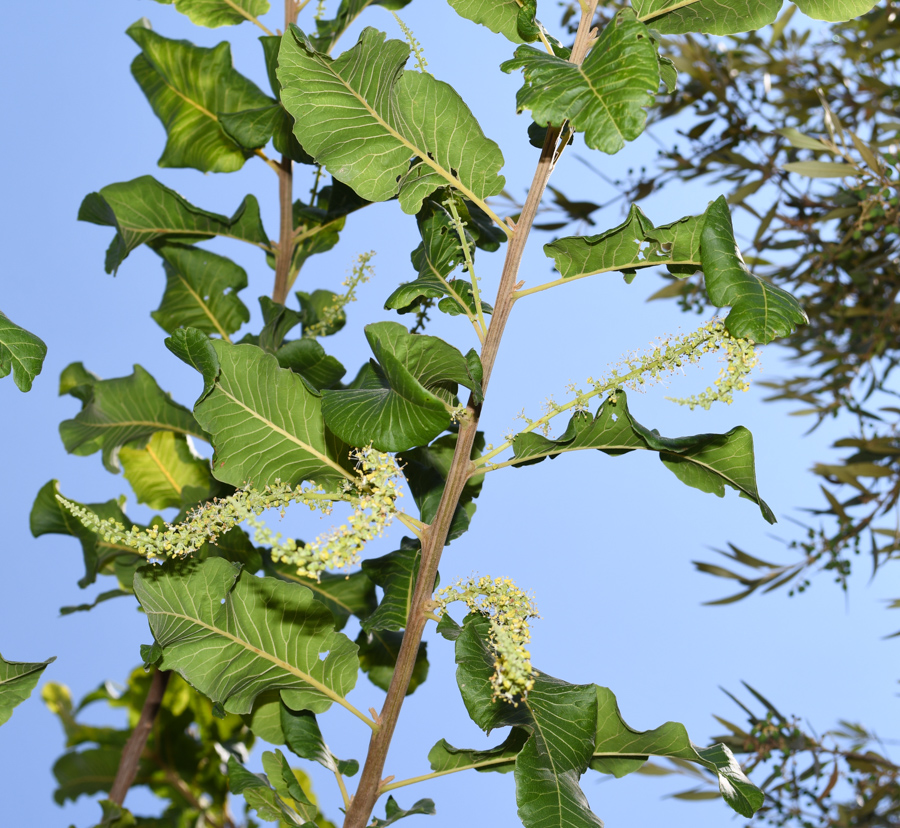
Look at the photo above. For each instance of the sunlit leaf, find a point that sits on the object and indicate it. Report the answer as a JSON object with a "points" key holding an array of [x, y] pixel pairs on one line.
{"points": [[498, 15], [393, 812], [718, 17], [328, 31], [386, 115], [303, 737], [213, 13], [835, 9], [344, 595], [20, 352], [17, 680]]}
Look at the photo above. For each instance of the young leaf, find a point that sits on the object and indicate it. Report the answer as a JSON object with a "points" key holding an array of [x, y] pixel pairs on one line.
{"points": [[393, 812], [201, 291], [707, 462], [606, 97], [162, 469], [759, 310], [261, 796], [264, 421], [119, 411], [396, 574], [17, 680], [405, 398], [386, 115], [188, 86], [20, 352], [718, 17], [233, 635], [499, 16], [214, 13], [143, 211]]}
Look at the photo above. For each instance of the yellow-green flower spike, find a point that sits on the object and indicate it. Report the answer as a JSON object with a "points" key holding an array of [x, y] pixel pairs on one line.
{"points": [[508, 609]]}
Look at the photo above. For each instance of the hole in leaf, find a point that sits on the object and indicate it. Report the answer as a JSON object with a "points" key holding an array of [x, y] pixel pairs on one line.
{"points": [[323, 656]]}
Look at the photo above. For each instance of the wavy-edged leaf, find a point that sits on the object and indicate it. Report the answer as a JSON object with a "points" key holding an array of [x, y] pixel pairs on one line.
{"points": [[201, 291], [162, 469], [188, 86], [143, 211], [20, 352], [119, 411], [835, 10], [303, 737], [426, 468], [619, 750], [707, 462], [17, 680], [437, 256], [499, 16], [759, 310], [378, 651], [606, 97], [405, 398], [718, 17], [396, 574], [266, 800], [501, 759], [233, 635], [344, 595], [265, 423], [393, 812], [328, 31], [88, 772], [387, 115], [215, 13]]}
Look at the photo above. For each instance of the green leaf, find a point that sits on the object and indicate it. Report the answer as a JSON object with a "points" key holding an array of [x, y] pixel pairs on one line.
{"points": [[201, 292], [707, 462], [233, 635], [214, 13], [195, 348], [100, 599], [308, 358], [48, 517], [501, 759], [344, 595], [499, 16], [188, 86], [88, 772], [396, 574], [821, 169], [835, 10], [606, 97], [404, 399], [437, 256], [303, 737], [759, 310], [426, 469], [619, 750], [378, 651], [328, 31], [265, 422], [143, 211], [260, 796], [393, 812], [387, 114], [20, 352], [160, 470], [718, 17], [119, 411], [17, 680]]}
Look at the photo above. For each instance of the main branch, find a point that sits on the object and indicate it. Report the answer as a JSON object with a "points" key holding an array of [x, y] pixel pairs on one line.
{"points": [[434, 538]]}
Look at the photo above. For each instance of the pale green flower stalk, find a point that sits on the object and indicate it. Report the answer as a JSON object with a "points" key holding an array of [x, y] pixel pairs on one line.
{"points": [[360, 273], [414, 44], [508, 609], [373, 496]]}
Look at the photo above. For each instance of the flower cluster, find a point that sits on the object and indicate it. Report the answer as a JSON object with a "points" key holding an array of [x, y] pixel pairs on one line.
{"points": [[373, 495], [360, 273], [509, 609]]}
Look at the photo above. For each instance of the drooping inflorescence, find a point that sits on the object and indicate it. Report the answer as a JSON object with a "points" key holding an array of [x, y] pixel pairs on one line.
{"points": [[360, 273], [373, 495], [508, 609]]}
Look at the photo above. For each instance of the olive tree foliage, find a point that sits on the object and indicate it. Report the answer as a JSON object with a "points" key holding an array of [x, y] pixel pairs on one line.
{"points": [[247, 626]]}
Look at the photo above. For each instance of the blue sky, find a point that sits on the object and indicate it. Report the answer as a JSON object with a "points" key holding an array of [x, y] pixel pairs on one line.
{"points": [[605, 543]]}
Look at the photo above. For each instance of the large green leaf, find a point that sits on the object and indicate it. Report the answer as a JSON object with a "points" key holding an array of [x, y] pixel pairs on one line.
{"points": [[396, 574], [344, 595], [88, 772], [164, 470], [759, 310], [214, 13], [437, 256], [405, 398], [270, 794], [606, 97], [143, 211], [201, 291], [264, 421], [498, 15], [387, 115], [718, 17], [378, 651], [49, 517], [835, 10], [20, 352], [303, 737], [328, 31], [119, 411], [188, 87], [17, 680], [233, 635], [707, 462]]}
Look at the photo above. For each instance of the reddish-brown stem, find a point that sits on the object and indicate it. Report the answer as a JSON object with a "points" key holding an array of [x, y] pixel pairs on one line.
{"points": [[134, 747], [434, 537]]}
